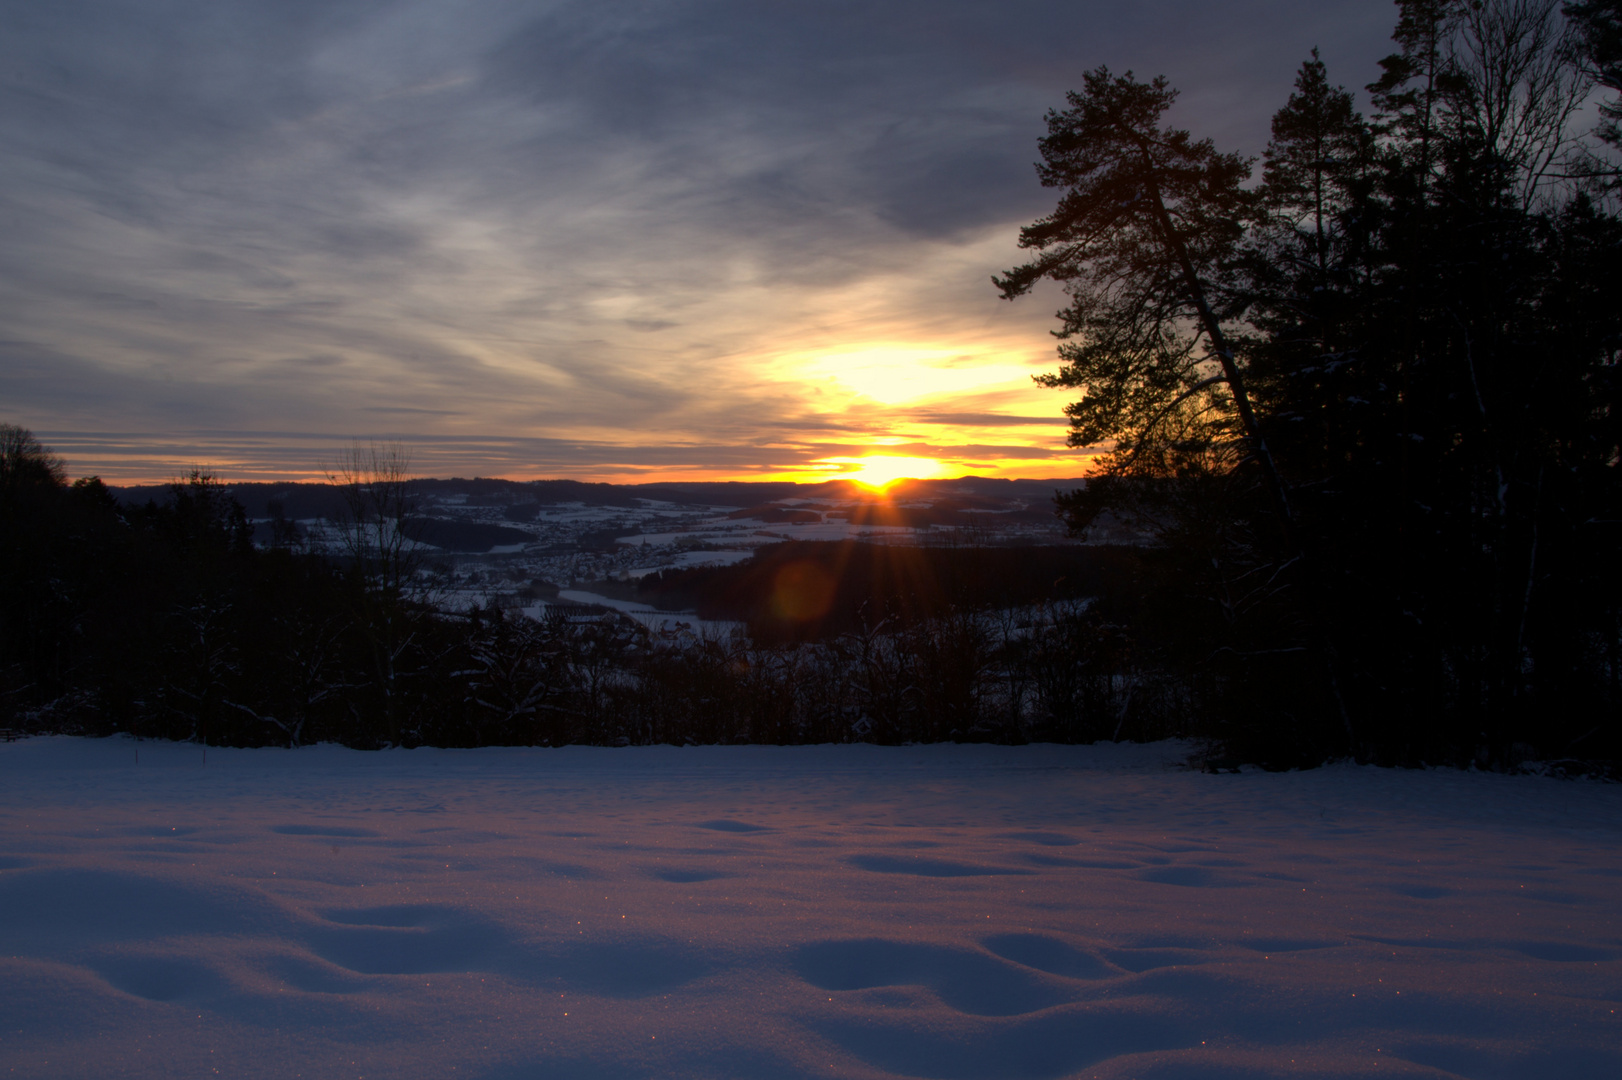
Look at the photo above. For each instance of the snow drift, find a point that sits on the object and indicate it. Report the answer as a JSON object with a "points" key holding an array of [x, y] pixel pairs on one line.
{"points": [[740, 912]]}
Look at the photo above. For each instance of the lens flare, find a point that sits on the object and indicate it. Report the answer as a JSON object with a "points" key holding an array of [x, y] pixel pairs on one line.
{"points": [[802, 591]]}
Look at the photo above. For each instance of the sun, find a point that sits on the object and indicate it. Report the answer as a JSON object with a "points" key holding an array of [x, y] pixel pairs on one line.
{"points": [[879, 471]]}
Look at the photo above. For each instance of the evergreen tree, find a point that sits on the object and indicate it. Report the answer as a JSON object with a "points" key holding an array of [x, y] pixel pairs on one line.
{"points": [[1138, 240], [1599, 22], [1423, 319]]}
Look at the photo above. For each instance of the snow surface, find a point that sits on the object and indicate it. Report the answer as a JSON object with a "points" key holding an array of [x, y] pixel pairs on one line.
{"points": [[685, 559], [650, 617], [764, 912]]}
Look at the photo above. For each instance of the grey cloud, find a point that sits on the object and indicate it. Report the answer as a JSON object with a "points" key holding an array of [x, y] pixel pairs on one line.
{"points": [[546, 216], [926, 111], [182, 81], [428, 454], [365, 241]]}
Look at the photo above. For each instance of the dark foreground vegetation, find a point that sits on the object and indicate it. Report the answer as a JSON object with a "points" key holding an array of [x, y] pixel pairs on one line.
{"points": [[164, 621], [812, 591], [1370, 407], [1371, 404]]}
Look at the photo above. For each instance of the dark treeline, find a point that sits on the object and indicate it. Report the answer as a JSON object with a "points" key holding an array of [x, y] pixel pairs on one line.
{"points": [[811, 591], [164, 620], [1370, 405]]}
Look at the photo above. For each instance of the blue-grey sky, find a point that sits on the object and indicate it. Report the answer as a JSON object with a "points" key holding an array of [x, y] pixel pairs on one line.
{"points": [[652, 238]]}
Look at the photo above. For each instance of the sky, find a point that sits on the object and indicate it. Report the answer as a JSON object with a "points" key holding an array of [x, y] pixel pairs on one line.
{"points": [[624, 241]]}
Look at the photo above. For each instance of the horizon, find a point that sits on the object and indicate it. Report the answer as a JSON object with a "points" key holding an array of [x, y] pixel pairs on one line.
{"points": [[849, 481], [872, 471]]}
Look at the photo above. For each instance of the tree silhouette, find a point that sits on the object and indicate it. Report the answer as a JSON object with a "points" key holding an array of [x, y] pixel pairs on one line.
{"points": [[26, 464], [1139, 238], [1406, 335], [1600, 24]]}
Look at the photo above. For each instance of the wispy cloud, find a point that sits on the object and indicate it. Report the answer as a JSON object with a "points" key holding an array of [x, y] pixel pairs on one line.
{"points": [[564, 238]]}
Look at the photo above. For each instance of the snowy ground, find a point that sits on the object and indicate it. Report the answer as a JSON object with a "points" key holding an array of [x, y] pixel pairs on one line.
{"points": [[652, 618], [778, 913]]}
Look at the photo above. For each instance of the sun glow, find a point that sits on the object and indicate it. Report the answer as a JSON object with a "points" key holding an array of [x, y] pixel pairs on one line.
{"points": [[879, 471], [893, 375]]}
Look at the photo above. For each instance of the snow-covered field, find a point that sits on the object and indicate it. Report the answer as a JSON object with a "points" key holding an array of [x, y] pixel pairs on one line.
{"points": [[941, 911]]}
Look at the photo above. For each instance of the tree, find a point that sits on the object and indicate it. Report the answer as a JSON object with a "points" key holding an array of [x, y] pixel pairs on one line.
{"points": [[34, 617], [1599, 22], [1306, 261], [384, 561], [1147, 240], [1421, 313], [25, 463], [375, 482], [1479, 341], [1314, 171], [1409, 93], [203, 519], [1138, 239], [1516, 87], [514, 675]]}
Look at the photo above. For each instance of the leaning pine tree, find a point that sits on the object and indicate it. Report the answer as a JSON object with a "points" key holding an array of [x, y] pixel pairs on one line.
{"points": [[1146, 220], [1144, 241]]}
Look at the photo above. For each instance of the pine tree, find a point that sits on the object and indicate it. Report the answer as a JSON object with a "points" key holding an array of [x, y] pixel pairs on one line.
{"points": [[1599, 24], [1422, 314], [1138, 240]]}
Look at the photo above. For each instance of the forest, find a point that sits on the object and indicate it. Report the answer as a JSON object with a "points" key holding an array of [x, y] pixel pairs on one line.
{"points": [[1364, 397]]}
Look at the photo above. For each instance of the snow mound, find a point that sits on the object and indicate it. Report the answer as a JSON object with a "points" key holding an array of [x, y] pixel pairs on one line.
{"points": [[760, 912]]}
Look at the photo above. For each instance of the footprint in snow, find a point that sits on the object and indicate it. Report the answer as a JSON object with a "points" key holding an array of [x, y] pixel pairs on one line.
{"points": [[43, 911], [728, 825], [912, 864], [1042, 858], [159, 978], [965, 979], [1197, 877], [1561, 952], [685, 877], [405, 939], [339, 831], [1050, 954], [1286, 945], [418, 939], [1047, 1046], [1046, 839]]}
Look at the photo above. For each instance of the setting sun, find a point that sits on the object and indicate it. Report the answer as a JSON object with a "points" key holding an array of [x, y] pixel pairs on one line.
{"points": [[878, 471]]}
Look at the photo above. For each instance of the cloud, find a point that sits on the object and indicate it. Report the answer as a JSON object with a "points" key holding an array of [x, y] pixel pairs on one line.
{"points": [[600, 235]]}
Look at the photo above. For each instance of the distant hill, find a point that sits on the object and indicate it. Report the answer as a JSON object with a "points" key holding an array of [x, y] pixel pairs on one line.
{"points": [[304, 501]]}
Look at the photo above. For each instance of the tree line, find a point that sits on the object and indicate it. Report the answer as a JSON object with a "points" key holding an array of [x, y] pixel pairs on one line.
{"points": [[164, 620]]}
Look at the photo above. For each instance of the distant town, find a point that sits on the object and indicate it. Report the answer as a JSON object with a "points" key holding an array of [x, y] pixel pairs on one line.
{"points": [[533, 545]]}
